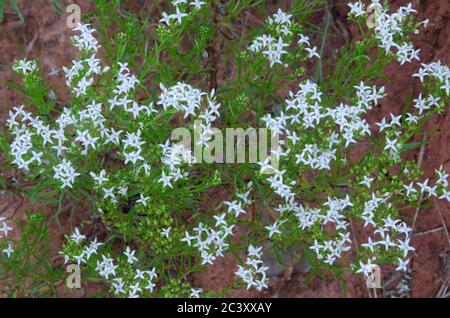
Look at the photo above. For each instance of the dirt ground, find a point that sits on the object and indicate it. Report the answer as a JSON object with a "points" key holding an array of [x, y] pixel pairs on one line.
{"points": [[44, 36]]}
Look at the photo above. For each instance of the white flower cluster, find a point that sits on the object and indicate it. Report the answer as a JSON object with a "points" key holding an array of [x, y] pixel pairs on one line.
{"points": [[273, 47], [394, 234], [350, 119], [132, 147], [173, 156], [65, 173], [439, 190], [195, 292], [80, 76], [126, 83], [312, 51], [334, 211], [305, 111], [124, 278], [85, 130], [313, 132], [393, 127], [22, 144], [278, 183], [182, 97], [437, 71], [29, 131], [25, 67], [211, 241], [345, 124], [85, 41], [253, 273], [387, 229], [316, 158], [181, 13], [4, 230], [92, 133], [189, 100], [389, 28], [32, 133], [207, 118]]}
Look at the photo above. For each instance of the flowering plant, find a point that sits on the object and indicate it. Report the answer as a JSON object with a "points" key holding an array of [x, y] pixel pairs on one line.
{"points": [[111, 146]]}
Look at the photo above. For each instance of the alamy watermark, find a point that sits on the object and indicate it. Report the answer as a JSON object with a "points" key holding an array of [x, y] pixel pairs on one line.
{"points": [[375, 10], [74, 279], [373, 278], [237, 145], [74, 17]]}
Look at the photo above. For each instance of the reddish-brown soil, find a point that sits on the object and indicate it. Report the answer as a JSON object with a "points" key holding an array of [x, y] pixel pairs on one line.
{"points": [[44, 36]]}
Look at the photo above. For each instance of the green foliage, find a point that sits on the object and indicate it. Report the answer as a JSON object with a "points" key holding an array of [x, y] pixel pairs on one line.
{"points": [[310, 200], [30, 270]]}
